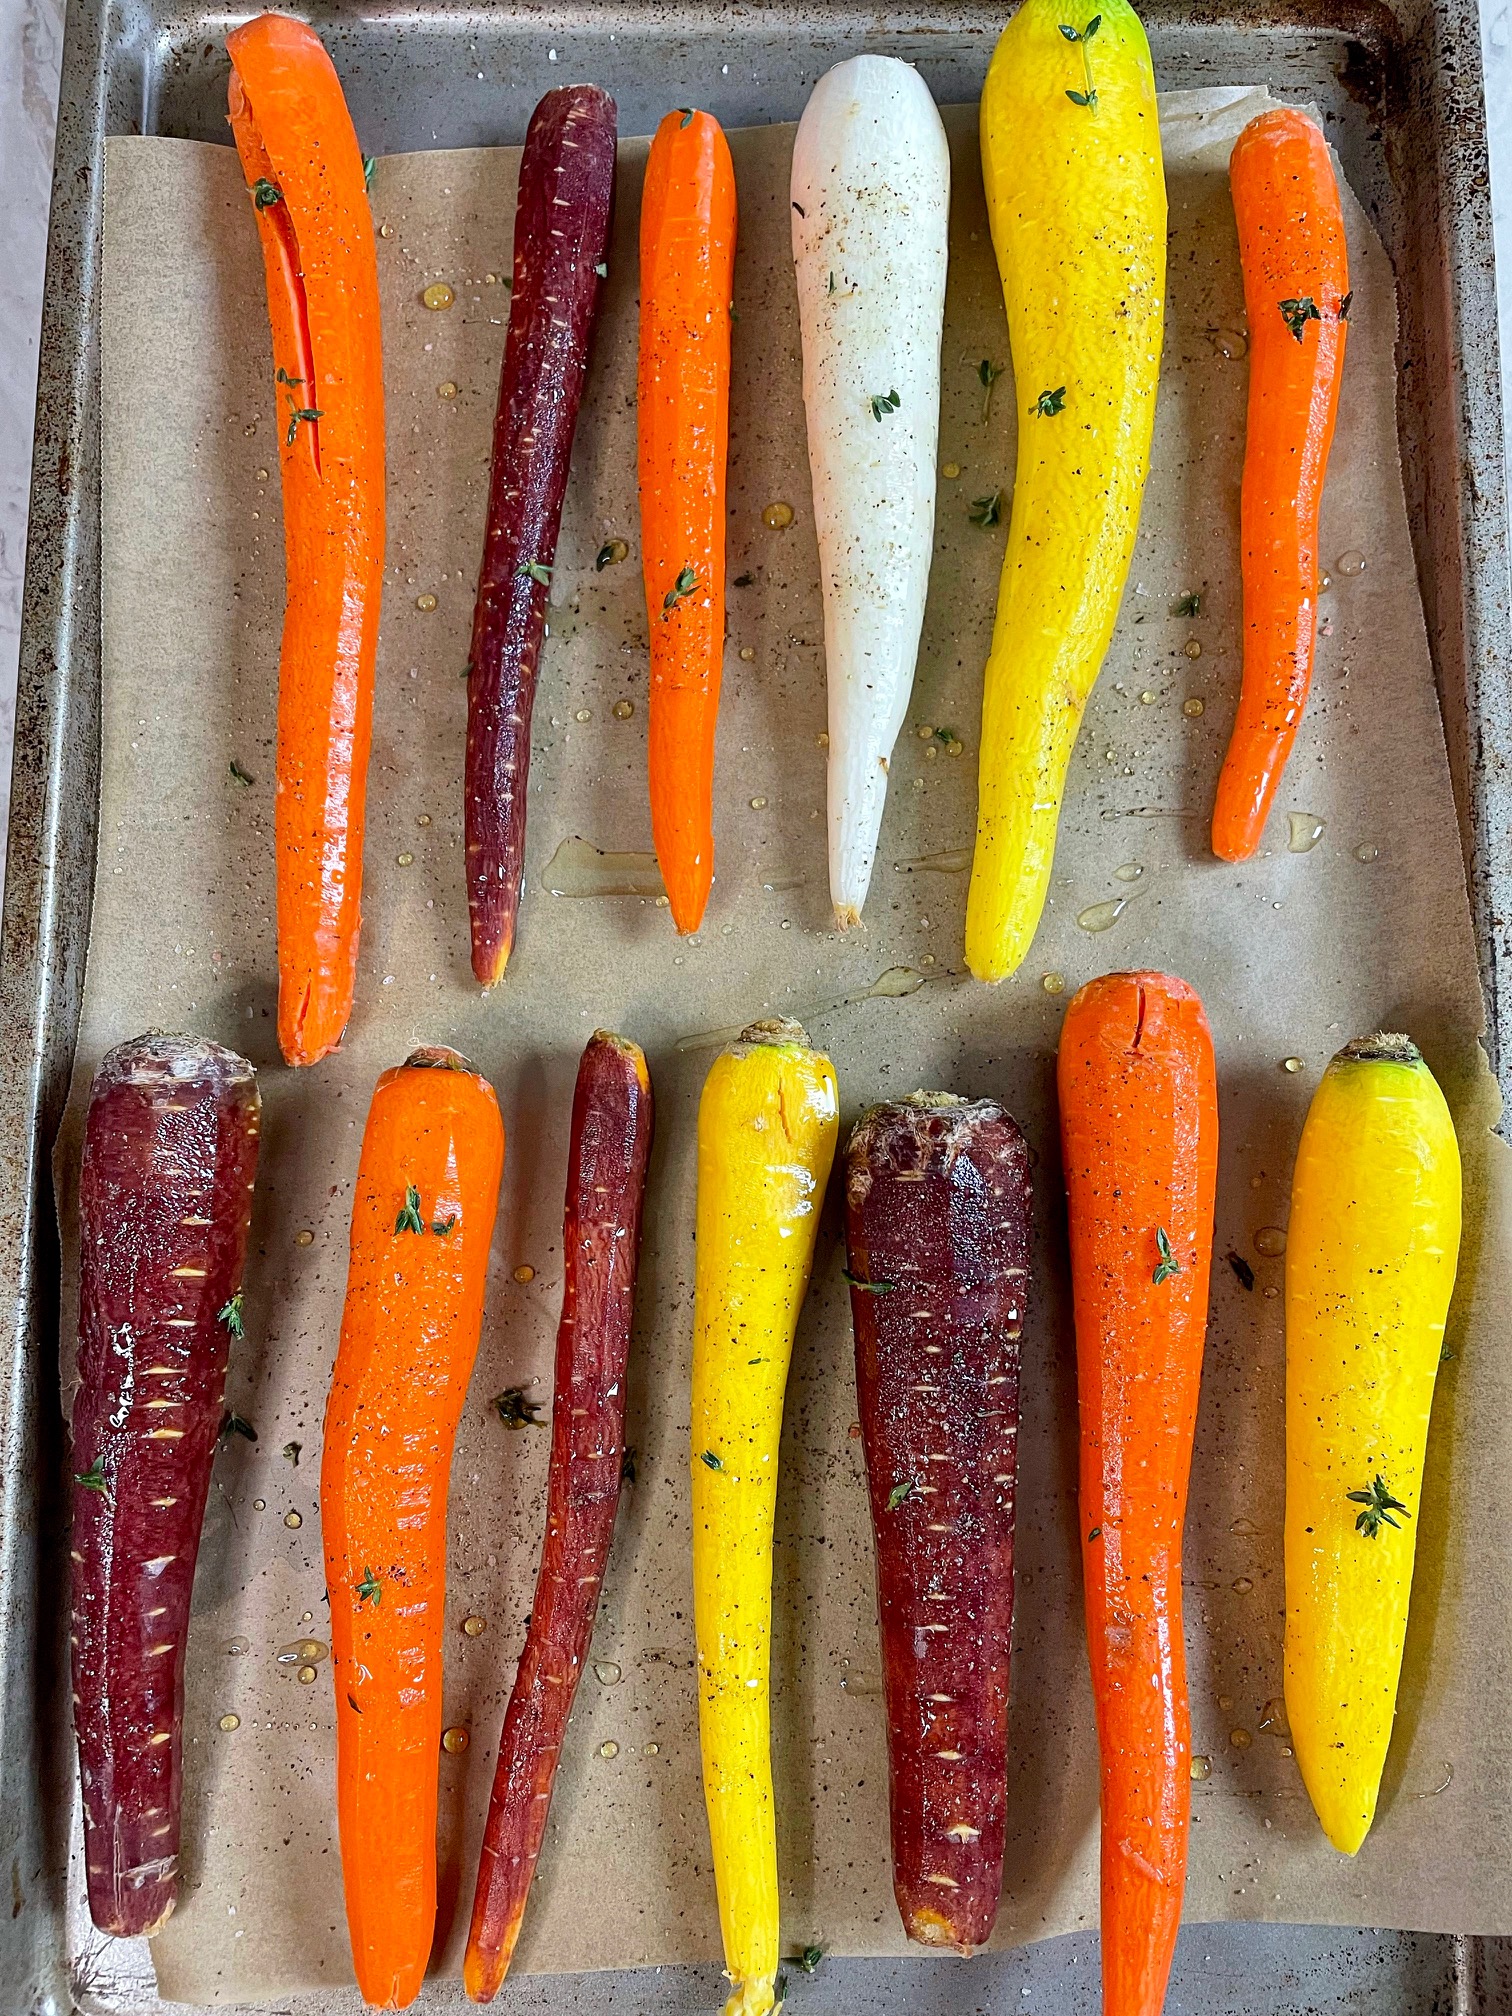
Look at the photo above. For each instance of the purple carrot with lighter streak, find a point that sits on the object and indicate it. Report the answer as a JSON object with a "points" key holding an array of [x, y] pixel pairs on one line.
{"points": [[937, 1202], [610, 1147], [165, 1201], [561, 246]]}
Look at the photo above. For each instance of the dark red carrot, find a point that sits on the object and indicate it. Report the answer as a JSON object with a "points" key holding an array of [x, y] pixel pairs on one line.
{"points": [[937, 1214], [165, 1200], [606, 1179], [561, 244]]}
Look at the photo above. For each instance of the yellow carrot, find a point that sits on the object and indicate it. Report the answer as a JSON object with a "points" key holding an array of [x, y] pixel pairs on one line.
{"points": [[766, 1139], [1371, 1253]]}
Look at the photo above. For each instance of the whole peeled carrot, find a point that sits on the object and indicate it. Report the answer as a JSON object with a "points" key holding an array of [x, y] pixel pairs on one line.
{"points": [[1296, 294], [561, 241], [308, 188], [165, 1203], [609, 1148], [687, 256], [937, 1226], [422, 1221], [1139, 1137]]}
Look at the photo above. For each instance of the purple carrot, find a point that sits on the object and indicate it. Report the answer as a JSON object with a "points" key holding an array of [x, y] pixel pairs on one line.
{"points": [[165, 1200], [561, 244], [937, 1227], [610, 1146]]}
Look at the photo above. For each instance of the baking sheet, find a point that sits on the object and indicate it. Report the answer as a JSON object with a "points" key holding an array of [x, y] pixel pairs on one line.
{"points": [[1293, 952]]}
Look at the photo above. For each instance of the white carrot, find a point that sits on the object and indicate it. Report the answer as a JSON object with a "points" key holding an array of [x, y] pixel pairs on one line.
{"points": [[871, 209]]}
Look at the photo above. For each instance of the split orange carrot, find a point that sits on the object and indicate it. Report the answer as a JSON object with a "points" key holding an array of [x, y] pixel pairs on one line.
{"points": [[422, 1223], [687, 256], [306, 180], [1296, 294], [1139, 1135]]}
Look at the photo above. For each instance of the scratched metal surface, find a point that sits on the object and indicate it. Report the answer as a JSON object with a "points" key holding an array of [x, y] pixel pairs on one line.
{"points": [[1399, 86]]}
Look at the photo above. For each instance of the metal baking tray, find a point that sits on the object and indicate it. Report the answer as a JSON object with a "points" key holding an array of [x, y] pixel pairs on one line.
{"points": [[1399, 85]]}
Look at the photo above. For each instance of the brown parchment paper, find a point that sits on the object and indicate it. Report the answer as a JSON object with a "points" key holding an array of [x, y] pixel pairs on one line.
{"points": [[1294, 952]]}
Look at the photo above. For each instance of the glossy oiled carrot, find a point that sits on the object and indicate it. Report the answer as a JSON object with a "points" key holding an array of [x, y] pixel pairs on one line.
{"points": [[687, 257], [422, 1221], [1139, 1135], [308, 192], [1296, 293], [609, 1149]]}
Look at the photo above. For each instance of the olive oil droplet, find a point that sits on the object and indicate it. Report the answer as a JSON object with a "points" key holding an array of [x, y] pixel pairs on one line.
{"points": [[455, 1740], [1202, 1767], [1103, 916], [777, 516], [1305, 830], [230, 1722], [1271, 1241], [474, 1627], [438, 295]]}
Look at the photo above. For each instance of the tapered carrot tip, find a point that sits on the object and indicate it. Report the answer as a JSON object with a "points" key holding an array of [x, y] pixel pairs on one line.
{"points": [[489, 961]]}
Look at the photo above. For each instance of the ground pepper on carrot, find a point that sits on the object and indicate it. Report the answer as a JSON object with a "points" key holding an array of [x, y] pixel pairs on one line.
{"points": [[1297, 299], [422, 1223], [308, 190], [1139, 1133], [687, 258]]}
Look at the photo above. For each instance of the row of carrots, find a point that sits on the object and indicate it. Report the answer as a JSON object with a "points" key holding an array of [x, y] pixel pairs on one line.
{"points": [[937, 1227], [1083, 204]]}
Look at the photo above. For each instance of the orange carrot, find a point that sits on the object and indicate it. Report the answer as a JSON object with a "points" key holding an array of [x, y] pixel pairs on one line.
{"points": [[422, 1221], [1139, 1136], [305, 177], [1296, 293], [687, 255]]}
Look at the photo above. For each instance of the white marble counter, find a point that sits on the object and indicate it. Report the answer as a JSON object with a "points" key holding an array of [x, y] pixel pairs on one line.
{"points": [[31, 38]]}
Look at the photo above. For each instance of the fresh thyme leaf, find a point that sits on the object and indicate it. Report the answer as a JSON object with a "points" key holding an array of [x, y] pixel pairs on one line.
{"points": [[233, 1424], [810, 1957], [683, 586], [231, 1316], [779, 1993], [601, 267], [687, 118], [1087, 98], [989, 373], [711, 1461], [1244, 1274], [1050, 403], [868, 1287], [884, 402], [987, 512], [241, 776], [627, 1465], [353, 1704], [1071, 34], [1346, 303], [298, 413], [1095, 1534], [1169, 1264], [291, 1452], [369, 1589], [281, 377], [900, 1493], [1091, 28], [409, 1219], [832, 283], [1298, 312], [369, 163], [265, 193], [442, 1226], [1445, 1354], [535, 570], [1379, 1506], [516, 1409], [1187, 605], [92, 1479]]}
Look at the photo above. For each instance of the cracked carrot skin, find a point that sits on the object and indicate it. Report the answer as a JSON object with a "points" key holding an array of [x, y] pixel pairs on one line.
{"points": [[938, 1207], [687, 258], [1294, 258], [1371, 1252], [610, 1147], [307, 189], [432, 1157], [1139, 1136], [767, 1125], [561, 242], [165, 1202]]}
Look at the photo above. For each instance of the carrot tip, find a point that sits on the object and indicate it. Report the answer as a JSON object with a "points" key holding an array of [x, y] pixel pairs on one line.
{"points": [[847, 917]]}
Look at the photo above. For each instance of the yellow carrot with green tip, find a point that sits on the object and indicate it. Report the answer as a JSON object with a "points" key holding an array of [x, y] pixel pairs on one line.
{"points": [[1076, 200], [1370, 1260], [767, 1125]]}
